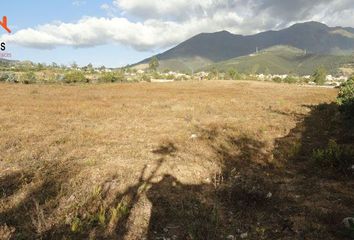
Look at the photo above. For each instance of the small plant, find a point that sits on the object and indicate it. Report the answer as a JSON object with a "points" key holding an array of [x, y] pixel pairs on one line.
{"points": [[76, 225], [334, 156], [101, 216]]}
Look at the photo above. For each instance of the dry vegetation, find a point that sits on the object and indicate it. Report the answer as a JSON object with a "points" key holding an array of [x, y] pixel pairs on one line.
{"points": [[187, 160]]}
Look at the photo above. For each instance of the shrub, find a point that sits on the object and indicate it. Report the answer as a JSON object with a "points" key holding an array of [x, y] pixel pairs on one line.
{"points": [[156, 75], [334, 157], [146, 78], [28, 78], [75, 77], [232, 74], [8, 77], [345, 98], [112, 77], [290, 79], [170, 77], [277, 80]]}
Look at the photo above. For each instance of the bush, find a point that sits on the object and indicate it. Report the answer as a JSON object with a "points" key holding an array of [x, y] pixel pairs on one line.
{"points": [[170, 77], [290, 79], [232, 74], [28, 78], [8, 77], [334, 157], [112, 77], [277, 80], [75, 77], [146, 78], [345, 98]]}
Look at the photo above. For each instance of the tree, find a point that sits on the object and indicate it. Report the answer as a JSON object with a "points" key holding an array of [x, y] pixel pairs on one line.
{"points": [[154, 64], [54, 65], [319, 76], [40, 67], [102, 68]]}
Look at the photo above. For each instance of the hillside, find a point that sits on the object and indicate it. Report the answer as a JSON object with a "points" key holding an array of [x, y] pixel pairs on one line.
{"points": [[313, 37], [282, 60]]}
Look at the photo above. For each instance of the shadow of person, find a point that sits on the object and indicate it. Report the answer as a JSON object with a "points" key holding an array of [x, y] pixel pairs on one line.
{"points": [[181, 211]]}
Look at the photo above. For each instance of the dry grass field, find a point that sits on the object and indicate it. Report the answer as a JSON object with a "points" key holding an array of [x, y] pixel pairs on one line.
{"points": [[184, 160]]}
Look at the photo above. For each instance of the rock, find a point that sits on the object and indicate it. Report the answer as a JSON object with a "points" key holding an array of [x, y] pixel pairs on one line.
{"points": [[348, 223], [231, 237], [194, 136], [269, 195], [244, 235]]}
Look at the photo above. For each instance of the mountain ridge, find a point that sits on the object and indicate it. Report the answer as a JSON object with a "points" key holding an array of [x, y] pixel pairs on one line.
{"points": [[311, 37]]}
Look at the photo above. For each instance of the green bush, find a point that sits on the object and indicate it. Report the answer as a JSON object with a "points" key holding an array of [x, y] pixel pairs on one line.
{"points": [[75, 77], [170, 77], [345, 98], [8, 77], [146, 78], [334, 157], [277, 80], [112, 77], [290, 79], [28, 78], [232, 74]]}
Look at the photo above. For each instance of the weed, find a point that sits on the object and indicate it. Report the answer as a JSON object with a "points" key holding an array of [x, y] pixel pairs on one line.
{"points": [[102, 216], [76, 225], [335, 157]]}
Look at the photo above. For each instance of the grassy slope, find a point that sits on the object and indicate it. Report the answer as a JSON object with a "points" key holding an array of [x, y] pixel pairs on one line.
{"points": [[283, 60]]}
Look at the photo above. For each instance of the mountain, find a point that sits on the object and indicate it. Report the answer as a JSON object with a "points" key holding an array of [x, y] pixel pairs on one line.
{"points": [[208, 48]]}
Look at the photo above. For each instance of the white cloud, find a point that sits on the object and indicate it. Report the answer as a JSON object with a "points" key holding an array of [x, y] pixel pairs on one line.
{"points": [[78, 3], [160, 24]]}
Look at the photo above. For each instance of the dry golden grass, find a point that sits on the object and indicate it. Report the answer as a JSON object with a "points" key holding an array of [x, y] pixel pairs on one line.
{"points": [[99, 161]]}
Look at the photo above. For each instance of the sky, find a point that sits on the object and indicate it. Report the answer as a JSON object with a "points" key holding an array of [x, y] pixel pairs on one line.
{"points": [[115, 33]]}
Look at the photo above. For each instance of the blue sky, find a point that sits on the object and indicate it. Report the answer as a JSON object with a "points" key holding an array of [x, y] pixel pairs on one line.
{"points": [[119, 32], [26, 14]]}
